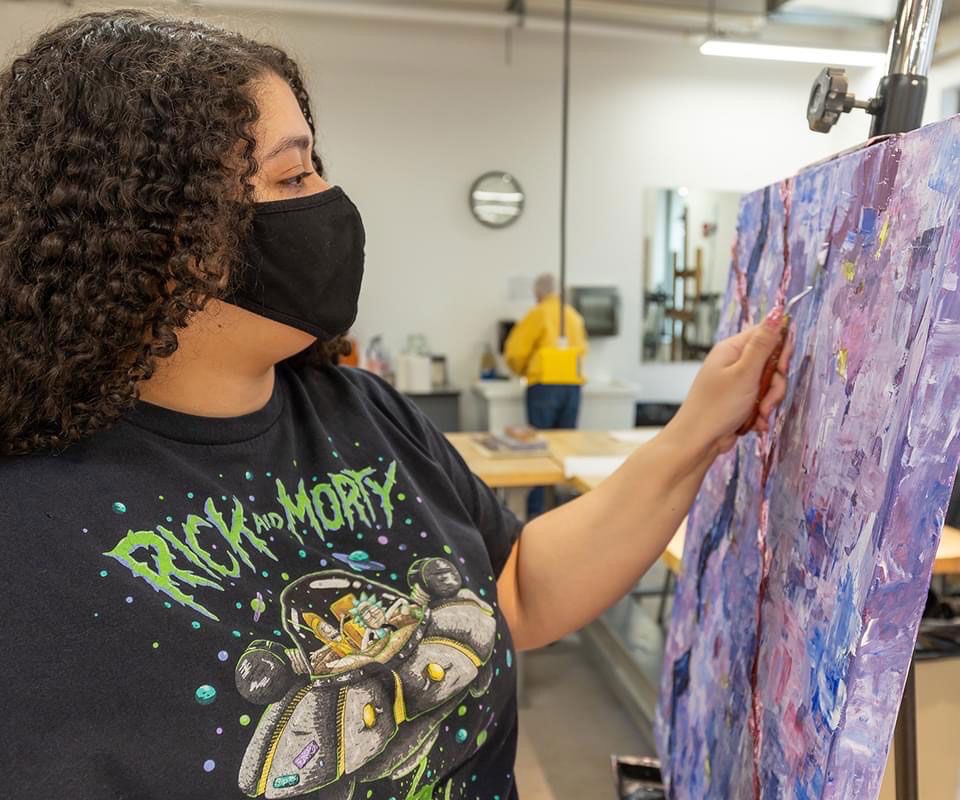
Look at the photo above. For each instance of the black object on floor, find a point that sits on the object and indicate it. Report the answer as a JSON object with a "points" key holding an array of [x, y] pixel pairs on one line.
{"points": [[637, 778]]}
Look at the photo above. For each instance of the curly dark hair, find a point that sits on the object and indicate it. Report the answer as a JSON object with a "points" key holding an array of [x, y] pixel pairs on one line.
{"points": [[122, 209]]}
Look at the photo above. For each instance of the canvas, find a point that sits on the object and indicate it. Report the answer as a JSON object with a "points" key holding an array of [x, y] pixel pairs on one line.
{"points": [[809, 550]]}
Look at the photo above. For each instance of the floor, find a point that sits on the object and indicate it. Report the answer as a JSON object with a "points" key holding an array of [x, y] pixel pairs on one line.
{"points": [[570, 725]]}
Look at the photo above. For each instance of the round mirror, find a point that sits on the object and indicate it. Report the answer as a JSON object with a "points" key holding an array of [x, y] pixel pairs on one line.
{"points": [[496, 199]]}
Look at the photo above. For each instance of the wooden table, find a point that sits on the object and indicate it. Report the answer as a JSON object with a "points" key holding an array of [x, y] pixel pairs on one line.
{"points": [[546, 470], [948, 553], [506, 473], [565, 444]]}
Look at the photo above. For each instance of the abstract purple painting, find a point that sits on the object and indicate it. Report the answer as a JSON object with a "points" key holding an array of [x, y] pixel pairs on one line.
{"points": [[809, 550]]}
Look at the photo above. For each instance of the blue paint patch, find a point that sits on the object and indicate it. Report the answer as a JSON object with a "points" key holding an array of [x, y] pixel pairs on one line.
{"points": [[943, 174], [829, 658], [717, 532], [681, 682]]}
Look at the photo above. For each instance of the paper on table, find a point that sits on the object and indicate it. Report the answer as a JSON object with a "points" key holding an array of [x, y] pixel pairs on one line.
{"points": [[635, 435], [591, 466]]}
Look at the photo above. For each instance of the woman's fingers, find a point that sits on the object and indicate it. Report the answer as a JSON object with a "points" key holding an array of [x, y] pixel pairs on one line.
{"points": [[776, 393], [784, 363]]}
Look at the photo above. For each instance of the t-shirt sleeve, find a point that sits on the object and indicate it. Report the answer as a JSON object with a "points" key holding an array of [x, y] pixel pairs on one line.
{"points": [[498, 526]]}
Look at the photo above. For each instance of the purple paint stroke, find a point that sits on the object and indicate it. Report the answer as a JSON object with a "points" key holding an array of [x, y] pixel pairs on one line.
{"points": [[784, 682]]}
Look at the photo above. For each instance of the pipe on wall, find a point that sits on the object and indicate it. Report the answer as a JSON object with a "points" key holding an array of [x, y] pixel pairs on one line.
{"points": [[350, 9]]}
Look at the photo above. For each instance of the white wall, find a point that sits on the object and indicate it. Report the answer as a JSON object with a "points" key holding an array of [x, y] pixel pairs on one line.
{"points": [[943, 76], [410, 114]]}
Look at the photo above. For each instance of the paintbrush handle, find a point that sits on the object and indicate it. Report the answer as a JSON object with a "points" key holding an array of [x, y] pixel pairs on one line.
{"points": [[766, 378]]}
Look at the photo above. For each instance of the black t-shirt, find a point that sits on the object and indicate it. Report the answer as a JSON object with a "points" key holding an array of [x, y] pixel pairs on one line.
{"points": [[296, 602]]}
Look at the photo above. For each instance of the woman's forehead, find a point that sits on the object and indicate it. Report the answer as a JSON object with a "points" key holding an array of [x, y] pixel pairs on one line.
{"points": [[281, 125]]}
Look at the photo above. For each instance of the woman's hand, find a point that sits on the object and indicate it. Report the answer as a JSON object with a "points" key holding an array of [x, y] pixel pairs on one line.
{"points": [[640, 506], [724, 393]]}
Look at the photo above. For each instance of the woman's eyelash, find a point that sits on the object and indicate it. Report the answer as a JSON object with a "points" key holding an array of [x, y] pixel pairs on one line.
{"points": [[297, 180]]}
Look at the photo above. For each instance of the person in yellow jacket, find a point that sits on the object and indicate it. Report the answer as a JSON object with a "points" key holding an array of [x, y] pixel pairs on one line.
{"points": [[549, 404]]}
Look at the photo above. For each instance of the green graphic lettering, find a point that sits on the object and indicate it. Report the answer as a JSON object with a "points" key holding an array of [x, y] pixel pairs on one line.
{"points": [[349, 494], [299, 509], [347, 500], [358, 476], [186, 552], [331, 520], [383, 490], [190, 528], [237, 529], [164, 575]]}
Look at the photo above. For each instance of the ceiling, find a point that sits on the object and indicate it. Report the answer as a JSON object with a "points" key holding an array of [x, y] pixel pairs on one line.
{"points": [[845, 10], [854, 24]]}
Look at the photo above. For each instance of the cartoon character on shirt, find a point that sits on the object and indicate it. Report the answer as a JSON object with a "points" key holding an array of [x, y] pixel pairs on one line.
{"points": [[372, 675]]}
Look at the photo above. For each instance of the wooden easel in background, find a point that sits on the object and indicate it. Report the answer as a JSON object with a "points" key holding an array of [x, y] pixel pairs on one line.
{"points": [[686, 312]]}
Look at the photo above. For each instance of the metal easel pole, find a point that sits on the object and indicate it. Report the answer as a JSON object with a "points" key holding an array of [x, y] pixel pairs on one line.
{"points": [[905, 741], [903, 90], [898, 105], [564, 136]]}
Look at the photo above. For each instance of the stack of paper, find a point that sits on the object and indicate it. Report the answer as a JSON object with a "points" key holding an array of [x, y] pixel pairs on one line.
{"points": [[591, 466]]}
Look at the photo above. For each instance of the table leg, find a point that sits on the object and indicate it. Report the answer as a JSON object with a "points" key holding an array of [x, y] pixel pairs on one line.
{"points": [[664, 594], [549, 497]]}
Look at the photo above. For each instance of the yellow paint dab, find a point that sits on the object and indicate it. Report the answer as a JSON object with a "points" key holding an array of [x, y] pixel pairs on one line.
{"points": [[842, 362], [882, 236], [849, 270]]}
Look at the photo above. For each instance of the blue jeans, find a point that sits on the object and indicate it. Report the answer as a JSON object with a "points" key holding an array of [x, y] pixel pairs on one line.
{"points": [[550, 406]]}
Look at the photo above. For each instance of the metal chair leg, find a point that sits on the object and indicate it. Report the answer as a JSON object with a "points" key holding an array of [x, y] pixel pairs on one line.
{"points": [[664, 594]]}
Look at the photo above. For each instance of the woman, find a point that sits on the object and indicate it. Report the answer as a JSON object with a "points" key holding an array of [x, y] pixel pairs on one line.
{"points": [[232, 568]]}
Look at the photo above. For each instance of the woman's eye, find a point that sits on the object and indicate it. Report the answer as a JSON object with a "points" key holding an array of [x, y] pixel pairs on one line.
{"points": [[297, 180]]}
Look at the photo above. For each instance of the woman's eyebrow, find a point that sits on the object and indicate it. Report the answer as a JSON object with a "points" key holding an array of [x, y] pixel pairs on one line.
{"points": [[288, 143]]}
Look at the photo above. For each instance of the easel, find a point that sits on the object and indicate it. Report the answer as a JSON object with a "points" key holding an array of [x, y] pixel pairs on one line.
{"points": [[897, 108], [684, 312]]}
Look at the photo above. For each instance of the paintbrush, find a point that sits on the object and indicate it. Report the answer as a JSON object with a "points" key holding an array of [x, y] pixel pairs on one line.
{"points": [[770, 368]]}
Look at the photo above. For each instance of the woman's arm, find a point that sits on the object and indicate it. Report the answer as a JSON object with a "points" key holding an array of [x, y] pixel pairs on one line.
{"points": [[571, 564]]}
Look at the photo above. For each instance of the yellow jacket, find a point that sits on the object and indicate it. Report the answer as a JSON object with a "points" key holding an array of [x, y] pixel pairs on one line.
{"points": [[539, 329]]}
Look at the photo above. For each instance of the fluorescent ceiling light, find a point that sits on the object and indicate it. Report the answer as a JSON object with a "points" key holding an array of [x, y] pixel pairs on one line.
{"points": [[780, 52]]}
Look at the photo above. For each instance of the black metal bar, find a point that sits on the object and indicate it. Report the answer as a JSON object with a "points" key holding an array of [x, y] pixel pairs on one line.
{"points": [[664, 596], [905, 741], [565, 127], [903, 98]]}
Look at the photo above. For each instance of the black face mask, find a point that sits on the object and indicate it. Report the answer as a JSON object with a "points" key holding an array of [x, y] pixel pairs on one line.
{"points": [[304, 263]]}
